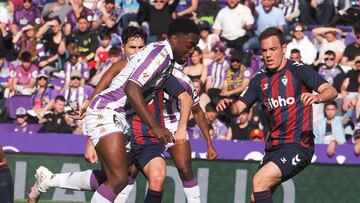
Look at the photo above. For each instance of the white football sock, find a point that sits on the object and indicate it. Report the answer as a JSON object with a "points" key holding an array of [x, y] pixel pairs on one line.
{"points": [[192, 194], [74, 181], [124, 194]]}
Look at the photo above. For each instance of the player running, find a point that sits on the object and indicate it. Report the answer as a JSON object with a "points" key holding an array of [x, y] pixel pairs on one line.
{"points": [[284, 90]]}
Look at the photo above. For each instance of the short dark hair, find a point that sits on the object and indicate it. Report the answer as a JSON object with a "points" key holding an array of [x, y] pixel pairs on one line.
{"points": [[105, 35], [295, 51], [109, 1], [133, 32], [25, 57], [330, 52], [114, 52], [272, 31], [210, 107], [60, 98], [56, 18], [184, 26], [330, 103]]}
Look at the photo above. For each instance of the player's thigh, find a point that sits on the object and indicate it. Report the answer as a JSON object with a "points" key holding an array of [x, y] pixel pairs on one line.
{"points": [[266, 177], [155, 171], [181, 155]]}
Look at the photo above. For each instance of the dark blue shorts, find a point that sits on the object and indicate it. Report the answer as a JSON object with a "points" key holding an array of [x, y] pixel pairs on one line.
{"points": [[290, 158], [143, 154]]}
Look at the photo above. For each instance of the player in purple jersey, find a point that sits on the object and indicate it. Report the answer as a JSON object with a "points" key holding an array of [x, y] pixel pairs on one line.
{"points": [[151, 72], [284, 90], [7, 185]]}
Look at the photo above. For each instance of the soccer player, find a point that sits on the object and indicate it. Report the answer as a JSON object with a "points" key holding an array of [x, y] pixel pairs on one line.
{"points": [[284, 90], [7, 185], [105, 118]]}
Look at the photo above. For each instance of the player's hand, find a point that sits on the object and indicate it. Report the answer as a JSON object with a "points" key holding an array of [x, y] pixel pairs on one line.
{"points": [[81, 113], [180, 135], [223, 104], [308, 98], [163, 134], [90, 153], [331, 148], [211, 153]]}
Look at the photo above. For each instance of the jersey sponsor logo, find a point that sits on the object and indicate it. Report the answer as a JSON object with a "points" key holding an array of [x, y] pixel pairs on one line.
{"points": [[279, 102]]}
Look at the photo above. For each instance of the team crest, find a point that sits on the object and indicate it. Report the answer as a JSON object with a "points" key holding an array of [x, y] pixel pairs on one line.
{"points": [[284, 80]]}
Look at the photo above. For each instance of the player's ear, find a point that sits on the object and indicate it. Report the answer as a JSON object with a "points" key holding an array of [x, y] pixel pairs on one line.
{"points": [[173, 39], [284, 47]]}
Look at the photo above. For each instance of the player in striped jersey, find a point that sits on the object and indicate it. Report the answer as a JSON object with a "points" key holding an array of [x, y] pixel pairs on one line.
{"points": [[106, 117], [284, 90]]}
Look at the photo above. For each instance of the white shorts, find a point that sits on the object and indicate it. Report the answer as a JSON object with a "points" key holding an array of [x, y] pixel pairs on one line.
{"points": [[101, 122]]}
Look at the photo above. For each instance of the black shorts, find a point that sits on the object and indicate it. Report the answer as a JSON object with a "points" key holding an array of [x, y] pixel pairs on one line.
{"points": [[143, 154], [290, 158]]}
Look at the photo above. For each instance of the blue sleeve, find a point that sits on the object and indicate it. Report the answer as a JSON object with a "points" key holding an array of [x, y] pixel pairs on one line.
{"points": [[308, 76], [173, 87], [250, 95]]}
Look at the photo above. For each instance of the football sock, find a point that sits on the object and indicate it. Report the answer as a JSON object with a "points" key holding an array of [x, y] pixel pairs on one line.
{"points": [[192, 191], [84, 180], [153, 196], [103, 195], [6, 186], [263, 197], [125, 193]]}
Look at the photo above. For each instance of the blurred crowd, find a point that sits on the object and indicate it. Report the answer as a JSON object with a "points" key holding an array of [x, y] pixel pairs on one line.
{"points": [[53, 53]]}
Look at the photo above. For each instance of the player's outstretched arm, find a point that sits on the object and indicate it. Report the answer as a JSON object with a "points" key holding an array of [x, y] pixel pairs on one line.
{"points": [[233, 109], [134, 93], [326, 93], [185, 108], [200, 119], [103, 84]]}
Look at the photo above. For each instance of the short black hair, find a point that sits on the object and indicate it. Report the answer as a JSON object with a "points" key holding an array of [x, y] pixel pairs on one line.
{"points": [[109, 1], [210, 107], [105, 35], [331, 103], [295, 51], [133, 32], [272, 31], [25, 57], [82, 17], [330, 52], [114, 52], [60, 98], [184, 26]]}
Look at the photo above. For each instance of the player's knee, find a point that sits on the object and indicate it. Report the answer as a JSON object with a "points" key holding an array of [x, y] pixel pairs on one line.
{"points": [[261, 183], [156, 182]]}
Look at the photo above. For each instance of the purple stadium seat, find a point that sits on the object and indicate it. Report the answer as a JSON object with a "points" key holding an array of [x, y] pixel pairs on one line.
{"points": [[57, 82], [9, 128], [349, 38], [17, 101]]}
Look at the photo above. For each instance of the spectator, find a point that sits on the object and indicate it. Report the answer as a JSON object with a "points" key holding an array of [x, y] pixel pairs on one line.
{"points": [[330, 69], [5, 70], [350, 85], [301, 42], [159, 17], [76, 93], [102, 53], [233, 32], [130, 10], [6, 44], [257, 135], [87, 42], [24, 76], [242, 128], [331, 129], [267, 16], [207, 42], [290, 9], [186, 9], [57, 121], [24, 15], [207, 10], [204, 98], [353, 49], [237, 76], [107, 20], [114, 57], [326, 38], [357, 141], [75, 63], [295, 55], [6, 10], [43, 97], [51, 39], [216, 71], [196, 70], [323, 10], [348, 16], [219, 127], [21, 120], [59, 9], [72, 17], [25, 40]]}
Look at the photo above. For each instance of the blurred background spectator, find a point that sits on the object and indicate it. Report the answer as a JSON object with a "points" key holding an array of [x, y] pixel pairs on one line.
{"points": [[21, 120], [242, 128]]}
